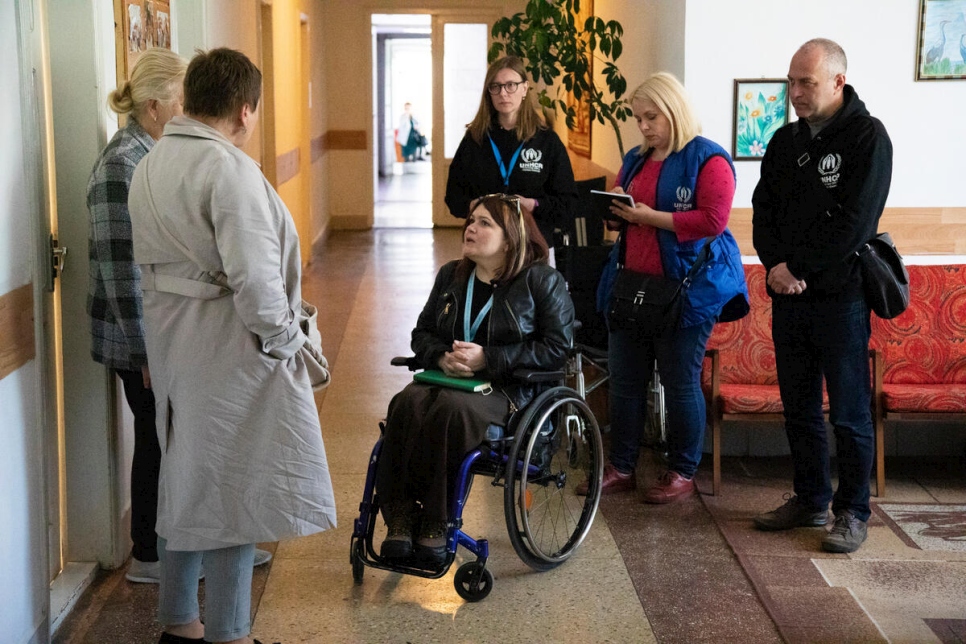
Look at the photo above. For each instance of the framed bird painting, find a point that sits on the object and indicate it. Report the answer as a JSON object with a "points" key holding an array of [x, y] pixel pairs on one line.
{"points": [[941, 48]]}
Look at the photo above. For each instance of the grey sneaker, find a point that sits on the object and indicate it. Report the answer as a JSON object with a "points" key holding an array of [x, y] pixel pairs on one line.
{"points": [[847, 534], [144, 572], [791, 515], [262, 556]]}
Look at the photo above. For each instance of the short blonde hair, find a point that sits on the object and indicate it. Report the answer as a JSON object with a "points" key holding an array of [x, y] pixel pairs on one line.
{"points": [[670, 97], [157, 75]]}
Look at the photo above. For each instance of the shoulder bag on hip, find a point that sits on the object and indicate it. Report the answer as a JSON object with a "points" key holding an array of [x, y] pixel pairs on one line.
{"points": [[650, 305], [884, 277]]}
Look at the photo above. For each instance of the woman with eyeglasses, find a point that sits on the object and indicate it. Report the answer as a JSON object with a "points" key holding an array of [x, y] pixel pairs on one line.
{"points": [[499, 308], [683, 186], [509, 148]]}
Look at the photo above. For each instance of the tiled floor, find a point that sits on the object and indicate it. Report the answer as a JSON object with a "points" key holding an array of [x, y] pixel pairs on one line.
{"points": [[692, 572]]}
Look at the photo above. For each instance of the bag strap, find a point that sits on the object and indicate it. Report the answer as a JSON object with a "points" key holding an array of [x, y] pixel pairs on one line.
{"points": [[703, 255]]}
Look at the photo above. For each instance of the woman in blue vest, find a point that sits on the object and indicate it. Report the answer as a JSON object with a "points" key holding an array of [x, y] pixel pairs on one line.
{"points": [[683, 186]]}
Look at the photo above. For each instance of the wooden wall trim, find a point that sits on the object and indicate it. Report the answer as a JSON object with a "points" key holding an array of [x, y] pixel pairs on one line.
{"points": [[287, 166], [16, 329], [346, 140], [916, 231]]}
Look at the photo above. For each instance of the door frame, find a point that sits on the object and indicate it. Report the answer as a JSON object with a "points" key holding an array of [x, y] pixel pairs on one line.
{"points": [[441, 164]]}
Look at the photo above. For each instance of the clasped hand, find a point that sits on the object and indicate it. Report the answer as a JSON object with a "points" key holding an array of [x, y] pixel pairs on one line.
{"points": [[463, 361], [781, 280]]}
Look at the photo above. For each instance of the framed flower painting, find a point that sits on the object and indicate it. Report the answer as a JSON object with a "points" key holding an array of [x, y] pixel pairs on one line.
{"points": [[760, 109]]}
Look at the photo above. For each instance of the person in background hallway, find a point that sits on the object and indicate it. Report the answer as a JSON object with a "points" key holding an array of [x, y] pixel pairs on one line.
{"points": [[683, 186], [152, 96], [242, 454], [824, 182], [509, 148], [497, 309], [409, 136]]}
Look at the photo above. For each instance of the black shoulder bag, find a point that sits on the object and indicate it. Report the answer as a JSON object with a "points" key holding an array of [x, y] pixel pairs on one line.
{"points": [[650, 305], [885, 279]]}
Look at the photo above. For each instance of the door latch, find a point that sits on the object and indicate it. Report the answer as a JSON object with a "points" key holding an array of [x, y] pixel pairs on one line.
{"points": [[58, 260]]}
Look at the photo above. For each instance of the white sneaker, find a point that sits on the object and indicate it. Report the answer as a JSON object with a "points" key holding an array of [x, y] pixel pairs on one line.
{"points": [[144, 572], [262, 556]]}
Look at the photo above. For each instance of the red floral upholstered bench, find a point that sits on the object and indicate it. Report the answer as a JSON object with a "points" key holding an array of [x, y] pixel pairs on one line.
{"points": [[920, 356]]}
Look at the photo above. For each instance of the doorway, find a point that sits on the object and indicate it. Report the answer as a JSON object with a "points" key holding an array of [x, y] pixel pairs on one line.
{"points": [[403, 103]]}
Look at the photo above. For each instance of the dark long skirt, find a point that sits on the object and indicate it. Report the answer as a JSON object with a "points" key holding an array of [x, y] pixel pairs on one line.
{"points": [[429, 431]]}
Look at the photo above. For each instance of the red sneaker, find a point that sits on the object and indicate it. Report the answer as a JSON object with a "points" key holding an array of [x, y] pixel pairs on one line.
{"points": [[613, 481], [670, 487]]}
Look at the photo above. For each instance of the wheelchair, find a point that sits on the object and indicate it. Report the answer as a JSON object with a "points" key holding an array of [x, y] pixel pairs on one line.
{"points": [[545, 450]]}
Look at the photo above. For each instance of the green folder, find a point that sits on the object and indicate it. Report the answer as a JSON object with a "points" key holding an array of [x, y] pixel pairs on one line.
{"points": [[436, 377]]}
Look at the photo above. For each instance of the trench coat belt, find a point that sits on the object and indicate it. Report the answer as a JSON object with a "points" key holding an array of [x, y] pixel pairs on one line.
{"points": [[151, 281]]}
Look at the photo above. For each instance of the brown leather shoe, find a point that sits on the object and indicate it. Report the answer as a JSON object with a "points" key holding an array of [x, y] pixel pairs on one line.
{"points": [[613, 481], [669, 488]]}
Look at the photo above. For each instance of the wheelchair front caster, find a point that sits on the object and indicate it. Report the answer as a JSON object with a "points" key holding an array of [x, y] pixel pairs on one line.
{"points": [[473, 581], [358, 567]]}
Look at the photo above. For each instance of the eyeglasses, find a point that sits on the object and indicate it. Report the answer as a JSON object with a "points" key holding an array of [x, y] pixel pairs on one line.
{"points": [[495, 88]]}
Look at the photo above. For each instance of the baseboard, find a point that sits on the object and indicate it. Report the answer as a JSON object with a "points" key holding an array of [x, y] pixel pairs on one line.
{"points": [[67, 588]]}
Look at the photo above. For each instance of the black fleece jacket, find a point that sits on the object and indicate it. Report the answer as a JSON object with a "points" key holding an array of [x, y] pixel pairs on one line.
{"points": [[542, 172], [816, 216]]}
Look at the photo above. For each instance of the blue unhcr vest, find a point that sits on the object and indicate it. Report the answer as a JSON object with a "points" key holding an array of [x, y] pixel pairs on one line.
{"points": [[719, 288]]}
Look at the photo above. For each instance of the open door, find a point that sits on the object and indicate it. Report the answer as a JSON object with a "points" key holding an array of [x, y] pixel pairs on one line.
{"points": [[460, 42]]}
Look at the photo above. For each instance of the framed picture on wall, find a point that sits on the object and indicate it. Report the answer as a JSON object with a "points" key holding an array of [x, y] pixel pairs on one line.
{"points": [[760, 109], [578, 138], [941, 48], [139, 26]]}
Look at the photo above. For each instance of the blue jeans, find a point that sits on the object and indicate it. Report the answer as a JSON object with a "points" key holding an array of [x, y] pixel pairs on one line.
{"points": [[228, 589], [631, 365], [830, 339]]}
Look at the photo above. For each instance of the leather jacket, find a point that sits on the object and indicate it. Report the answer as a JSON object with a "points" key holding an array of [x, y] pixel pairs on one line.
{"points": [[531, 326]]}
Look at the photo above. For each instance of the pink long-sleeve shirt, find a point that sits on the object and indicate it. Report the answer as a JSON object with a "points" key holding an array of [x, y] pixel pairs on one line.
{"points": [[714, 193]]}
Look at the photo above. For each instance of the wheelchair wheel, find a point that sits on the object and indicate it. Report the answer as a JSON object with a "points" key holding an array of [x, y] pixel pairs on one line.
{"points": [[355, 557], [473, 582], [556, 447]]}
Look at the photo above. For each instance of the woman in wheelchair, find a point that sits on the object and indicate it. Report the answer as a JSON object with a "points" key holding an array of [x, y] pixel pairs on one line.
{"points": [[499, 308]]}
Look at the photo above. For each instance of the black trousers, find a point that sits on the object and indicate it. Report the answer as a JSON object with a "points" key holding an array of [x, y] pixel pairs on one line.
{"points": [[429, 431], [145, 467]]}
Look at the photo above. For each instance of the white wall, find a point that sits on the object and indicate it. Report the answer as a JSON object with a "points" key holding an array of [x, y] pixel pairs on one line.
{"points": [[746, 39], [23, 560]]}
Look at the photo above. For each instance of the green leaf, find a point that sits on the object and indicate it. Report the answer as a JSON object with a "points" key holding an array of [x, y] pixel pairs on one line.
{"points": [[617, 49]]}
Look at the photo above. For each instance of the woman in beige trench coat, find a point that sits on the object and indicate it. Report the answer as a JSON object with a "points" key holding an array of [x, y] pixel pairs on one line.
{"points": [[242, 453]]}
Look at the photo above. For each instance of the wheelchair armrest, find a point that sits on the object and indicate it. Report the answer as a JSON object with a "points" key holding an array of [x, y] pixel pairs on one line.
{"points": [[405, 361], [530, 376], [592, 352]]}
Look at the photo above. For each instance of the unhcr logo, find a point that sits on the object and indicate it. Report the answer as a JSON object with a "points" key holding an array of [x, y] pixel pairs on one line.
{"points": [[530, 160], [829, 167], [683, 194]]}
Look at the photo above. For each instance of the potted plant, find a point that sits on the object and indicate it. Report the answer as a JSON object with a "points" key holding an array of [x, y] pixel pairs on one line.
{"points": [[559, 52]]}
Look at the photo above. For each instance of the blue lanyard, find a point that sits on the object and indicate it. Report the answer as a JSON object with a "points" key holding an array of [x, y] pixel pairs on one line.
{"points": [[469, 332], [504, 170]]}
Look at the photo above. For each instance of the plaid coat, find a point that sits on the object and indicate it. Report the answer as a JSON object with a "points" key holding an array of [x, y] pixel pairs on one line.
{"points": [[114, 289]]}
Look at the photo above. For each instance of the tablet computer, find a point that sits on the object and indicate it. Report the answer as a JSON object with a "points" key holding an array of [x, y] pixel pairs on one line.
{"points": [[602, 203]]}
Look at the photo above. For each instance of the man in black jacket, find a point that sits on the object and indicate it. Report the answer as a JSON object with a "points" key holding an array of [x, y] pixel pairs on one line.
{"points": [[824, 182]]}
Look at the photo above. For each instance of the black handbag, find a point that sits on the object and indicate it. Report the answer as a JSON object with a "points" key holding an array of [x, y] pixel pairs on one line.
{"points": [[650, 305], [884, 277]]}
